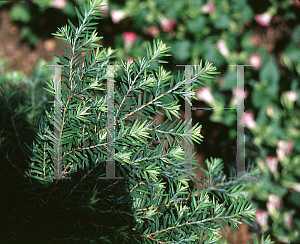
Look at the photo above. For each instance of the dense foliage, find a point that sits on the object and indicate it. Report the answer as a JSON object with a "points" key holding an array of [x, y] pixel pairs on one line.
{"points": [[222, 32], [151, 204]]}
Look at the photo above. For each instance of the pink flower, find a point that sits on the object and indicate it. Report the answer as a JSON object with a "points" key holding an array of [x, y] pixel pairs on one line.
{"points": [[290, 147], [284, 148], [263, 19], [273, 203], [117, 16], [153, 31], [129, 38], [280, 154], [272, 163], [262, 218], [105, 7], [239, 94], [59, 4], [221, 45], [288, 219], [167, 24], [297, 4], [205, 95], [296, 187], [270, 111], [249, 120], [292, 96], [255, 60], [208, 8]]}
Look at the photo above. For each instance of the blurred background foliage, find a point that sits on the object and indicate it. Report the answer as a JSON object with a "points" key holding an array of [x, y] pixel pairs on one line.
{"points": [[265, 34]]}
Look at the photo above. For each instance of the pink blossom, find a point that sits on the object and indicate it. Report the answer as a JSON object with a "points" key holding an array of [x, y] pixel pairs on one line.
{"points": [[105, 7], [292, 96], [59, 4], [297, 4], [129, 38], [262, 218], [205, 95], [288, 219], [255, 60], [249, 120], [280, 153], [167, 24], [208, 8], [284, 148], [221, 45], [290, 147], [296, 187], [153, 31], [117, 16], [263, 19], [272, 163], [270, 111], [273, 203], [239, 94]]}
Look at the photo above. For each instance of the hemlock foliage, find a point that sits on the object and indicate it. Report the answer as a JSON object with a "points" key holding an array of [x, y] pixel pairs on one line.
{"points": [[151, 205]]}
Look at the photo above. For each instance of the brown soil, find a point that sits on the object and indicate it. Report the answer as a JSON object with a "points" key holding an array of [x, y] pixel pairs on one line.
{"points": [[19, 55]]}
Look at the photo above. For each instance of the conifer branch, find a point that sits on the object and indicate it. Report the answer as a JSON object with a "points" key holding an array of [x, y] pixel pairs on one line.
{"points": [[14, 126]]}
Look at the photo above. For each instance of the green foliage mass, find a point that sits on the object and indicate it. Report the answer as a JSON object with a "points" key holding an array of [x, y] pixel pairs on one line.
{"points": [[151, 204]]}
